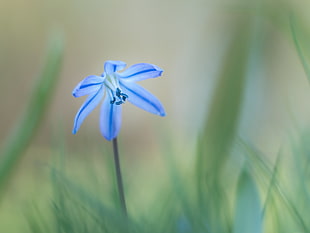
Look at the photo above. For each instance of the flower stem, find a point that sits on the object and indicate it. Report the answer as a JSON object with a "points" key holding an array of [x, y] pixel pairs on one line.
{"points": [[119, 177]]}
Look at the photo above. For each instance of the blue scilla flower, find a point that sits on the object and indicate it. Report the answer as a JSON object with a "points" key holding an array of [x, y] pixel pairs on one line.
{"points": [[115, 88]]}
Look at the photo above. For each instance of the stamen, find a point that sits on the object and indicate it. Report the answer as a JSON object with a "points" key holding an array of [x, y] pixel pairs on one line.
{"points": [[118, 92], [117, 97], [124, 96], [121, 95], [113, 101]]}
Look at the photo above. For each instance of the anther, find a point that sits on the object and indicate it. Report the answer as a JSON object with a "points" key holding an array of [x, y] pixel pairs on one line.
{"points": [[118, 92], [124, 96], [121, 97], [113, 101]]}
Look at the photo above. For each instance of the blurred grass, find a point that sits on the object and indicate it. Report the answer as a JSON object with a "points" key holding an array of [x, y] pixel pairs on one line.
{"points": [[298, 40], [76, 206], [248, 211], [13, 149], [221, 126]]}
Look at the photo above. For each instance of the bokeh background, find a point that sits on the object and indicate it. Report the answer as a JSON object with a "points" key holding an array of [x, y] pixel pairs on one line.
{"points": [[187, 39]]}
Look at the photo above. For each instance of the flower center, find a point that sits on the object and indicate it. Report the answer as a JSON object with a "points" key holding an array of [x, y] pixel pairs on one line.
{"points": [[114, 90]]}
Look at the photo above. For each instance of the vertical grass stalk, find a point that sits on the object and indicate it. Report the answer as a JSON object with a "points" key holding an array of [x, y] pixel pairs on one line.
{"points": [[25, 129]]}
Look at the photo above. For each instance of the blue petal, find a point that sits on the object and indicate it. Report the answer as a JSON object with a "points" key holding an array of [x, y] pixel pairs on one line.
{"points": [[91, 102], [140, 97], [113, 66], [110, 119], [87, 86], [141, 71]]}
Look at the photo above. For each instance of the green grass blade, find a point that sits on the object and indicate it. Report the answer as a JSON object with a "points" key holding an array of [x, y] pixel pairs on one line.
{"points": [[219, 132], [25, 129], [277, 192], [77, 198], [248, 209], [225, 107], [298, 46]]}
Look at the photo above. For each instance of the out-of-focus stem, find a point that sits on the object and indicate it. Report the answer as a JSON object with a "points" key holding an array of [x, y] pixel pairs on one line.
{"points": [[119, 177]]}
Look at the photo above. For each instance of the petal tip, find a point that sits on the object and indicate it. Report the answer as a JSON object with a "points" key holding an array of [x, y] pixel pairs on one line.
{"points": [[74, 91], [111, 66], [108, 138], [158, 68]]}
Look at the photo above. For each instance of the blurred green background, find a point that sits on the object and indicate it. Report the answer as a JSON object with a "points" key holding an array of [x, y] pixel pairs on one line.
{"points": [[186, 39], [191, 41]]}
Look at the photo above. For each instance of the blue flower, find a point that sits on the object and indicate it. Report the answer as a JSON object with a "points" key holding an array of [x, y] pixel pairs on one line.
{"points": [[116, 88]]}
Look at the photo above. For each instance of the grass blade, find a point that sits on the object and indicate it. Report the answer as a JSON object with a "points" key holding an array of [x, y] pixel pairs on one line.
{"points": [[219, 132], [248, 216], [25, 129], [298, 47]]}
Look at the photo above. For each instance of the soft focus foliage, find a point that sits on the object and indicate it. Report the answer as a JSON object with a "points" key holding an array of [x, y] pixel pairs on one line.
{"points": [[232, 155]]}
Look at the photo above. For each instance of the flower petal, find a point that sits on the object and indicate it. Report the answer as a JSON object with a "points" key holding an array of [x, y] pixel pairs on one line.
{"points": [[140, 97], [91, 102], [110, 119], [87, 86], [113, 66], [140, 72]]}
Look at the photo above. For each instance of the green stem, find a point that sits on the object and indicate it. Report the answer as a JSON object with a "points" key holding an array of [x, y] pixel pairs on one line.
{"points": [[119, 177]]}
